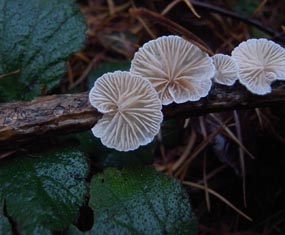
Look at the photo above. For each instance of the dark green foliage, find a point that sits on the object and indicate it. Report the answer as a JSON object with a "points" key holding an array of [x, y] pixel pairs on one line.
{"points": [[140, 201], [43, 192], [36, 37]]}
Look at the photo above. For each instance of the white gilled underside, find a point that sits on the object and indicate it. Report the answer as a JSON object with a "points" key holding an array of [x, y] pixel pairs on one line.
{"points": [[226, 70], [131, 108], [260, 62], [170, 69], [178, 70]]}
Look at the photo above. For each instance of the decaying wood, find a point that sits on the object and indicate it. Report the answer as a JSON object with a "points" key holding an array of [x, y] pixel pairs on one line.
{"points": [[21, 121]]}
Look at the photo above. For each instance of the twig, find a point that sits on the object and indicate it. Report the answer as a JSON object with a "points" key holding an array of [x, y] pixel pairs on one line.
{"points": [[181, 171], [189, 4], [213, 173], [175, 2], [20, 121], [111, 5], [233, 137], [147, 28], [211, 191], [186, 152], [86, 72], [205, 181], [8, 74]]}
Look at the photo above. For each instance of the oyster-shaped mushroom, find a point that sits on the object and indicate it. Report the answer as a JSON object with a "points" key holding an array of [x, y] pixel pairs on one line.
{"points": [[178, 70], [131, 110], [226, 69], [260, 62]]}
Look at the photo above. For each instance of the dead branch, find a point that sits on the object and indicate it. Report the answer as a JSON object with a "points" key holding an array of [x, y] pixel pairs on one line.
{"points": [[22, 121]]}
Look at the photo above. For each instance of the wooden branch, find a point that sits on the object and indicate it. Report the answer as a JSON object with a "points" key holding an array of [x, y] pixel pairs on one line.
{"points": [[21, 121]]}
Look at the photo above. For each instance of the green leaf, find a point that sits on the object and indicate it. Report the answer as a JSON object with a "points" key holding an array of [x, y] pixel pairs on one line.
{"points": [[4, 224], [140, 201], [43, 192], [36, 38], [105, 68]]}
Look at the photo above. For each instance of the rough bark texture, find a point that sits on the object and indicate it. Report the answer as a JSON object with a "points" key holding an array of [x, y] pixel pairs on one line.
{"points": [[21, 121]]}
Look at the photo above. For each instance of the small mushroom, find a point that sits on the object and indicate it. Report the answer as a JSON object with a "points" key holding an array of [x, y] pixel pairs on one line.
{"points": [[260, 62], [226, 69], [131, 110], [178, 70]]}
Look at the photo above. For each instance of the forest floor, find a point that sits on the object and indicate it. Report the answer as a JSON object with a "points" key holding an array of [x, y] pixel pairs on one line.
{"points": [[235, 174]]}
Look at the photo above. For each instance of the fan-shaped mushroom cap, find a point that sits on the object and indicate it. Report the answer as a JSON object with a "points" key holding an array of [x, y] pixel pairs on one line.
{"points": [[131, 107], [226, 69], [260, 62], [178, 70]]}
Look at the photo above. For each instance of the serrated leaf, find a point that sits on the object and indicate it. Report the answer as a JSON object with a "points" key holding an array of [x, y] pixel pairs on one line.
{"points": [[43, 192], [140, 201], [36, 37]]}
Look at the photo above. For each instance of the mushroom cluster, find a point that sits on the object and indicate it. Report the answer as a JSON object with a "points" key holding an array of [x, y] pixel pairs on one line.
{"points": [[170, 69]]}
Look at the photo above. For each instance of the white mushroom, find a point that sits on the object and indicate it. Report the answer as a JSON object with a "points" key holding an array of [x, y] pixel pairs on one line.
{"points": [[226, 69], [178, 70], [260, 62], [131, 110]]}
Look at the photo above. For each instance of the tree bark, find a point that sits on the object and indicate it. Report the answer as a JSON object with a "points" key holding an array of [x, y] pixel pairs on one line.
{"points": [[60, 114]]}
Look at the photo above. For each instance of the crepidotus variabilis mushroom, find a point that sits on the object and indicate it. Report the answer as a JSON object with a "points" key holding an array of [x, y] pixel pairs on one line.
{"points": [[131, 110], [260, 62], [178, 70]]}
